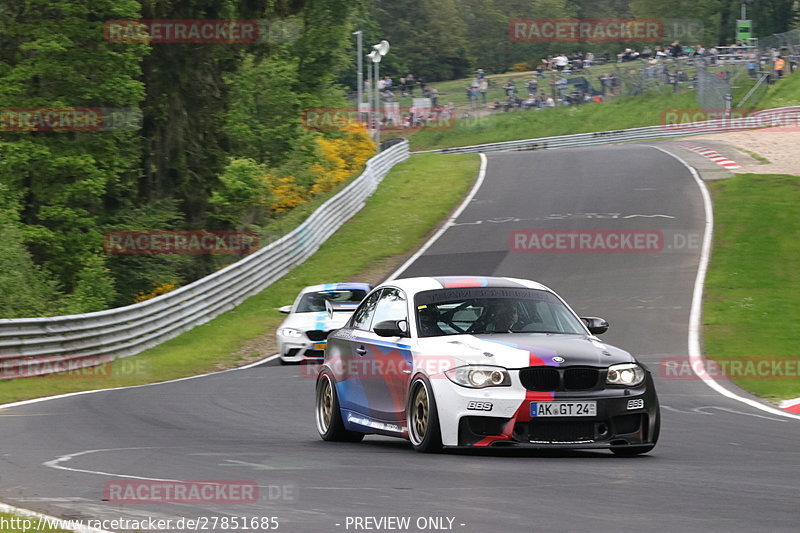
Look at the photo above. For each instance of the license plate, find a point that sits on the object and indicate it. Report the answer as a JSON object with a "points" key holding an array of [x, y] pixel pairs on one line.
{"points": [[319, 346], [545, 409]]}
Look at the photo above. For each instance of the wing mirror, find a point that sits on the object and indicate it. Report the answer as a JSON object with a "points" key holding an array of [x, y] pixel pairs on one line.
{"points": [[286, 309], [596, 325], [392, 328]]}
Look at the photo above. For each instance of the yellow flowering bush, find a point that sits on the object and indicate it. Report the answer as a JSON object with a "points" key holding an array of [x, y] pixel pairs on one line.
{"points": [[341, 158], [158, 290], [287, 194]]}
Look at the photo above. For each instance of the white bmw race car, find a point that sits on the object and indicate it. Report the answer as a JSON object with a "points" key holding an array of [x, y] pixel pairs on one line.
{"points": [[317, 310], [477, 362]]}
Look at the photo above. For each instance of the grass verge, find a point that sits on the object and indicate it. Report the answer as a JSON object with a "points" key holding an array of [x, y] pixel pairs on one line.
{"points": [[394, 222], [623, 112], [752, 299], [785, 92]]}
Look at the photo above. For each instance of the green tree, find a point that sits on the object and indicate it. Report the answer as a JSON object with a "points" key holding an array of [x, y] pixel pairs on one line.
{"points": [[428, 38], [53, 55]]}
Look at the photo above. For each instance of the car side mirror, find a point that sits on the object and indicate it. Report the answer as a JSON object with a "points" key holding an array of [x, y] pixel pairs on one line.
{"points": [[391, 328], [596, 325], [286, 309]]}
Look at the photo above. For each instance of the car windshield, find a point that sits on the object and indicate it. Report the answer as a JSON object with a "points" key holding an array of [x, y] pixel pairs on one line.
{"points": [[483, 310], [314, 302]]}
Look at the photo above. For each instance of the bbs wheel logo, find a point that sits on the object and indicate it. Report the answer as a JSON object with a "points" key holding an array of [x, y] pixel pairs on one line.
{"points": [[636, 404], [479, 406]]}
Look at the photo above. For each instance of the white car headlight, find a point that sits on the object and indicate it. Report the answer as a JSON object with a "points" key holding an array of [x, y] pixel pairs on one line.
{"points": [[629, 374], [291, 332], [479, 377]]}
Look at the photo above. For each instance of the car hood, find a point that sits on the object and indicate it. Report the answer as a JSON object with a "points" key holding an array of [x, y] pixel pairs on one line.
{"points": [[519, 350], [314, 321]]}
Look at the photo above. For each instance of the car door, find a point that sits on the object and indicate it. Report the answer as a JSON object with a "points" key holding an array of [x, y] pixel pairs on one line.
{"points": [[387, 361], [345, 355]]}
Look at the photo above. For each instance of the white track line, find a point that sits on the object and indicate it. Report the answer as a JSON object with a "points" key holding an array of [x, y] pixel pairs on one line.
{"points": [[80, 393], [43, 519], [450, 221], [695, 316]]}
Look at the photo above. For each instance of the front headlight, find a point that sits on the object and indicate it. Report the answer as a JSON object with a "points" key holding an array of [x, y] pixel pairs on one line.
{"points": [[479, 377], [628, 374], [291, 332]]}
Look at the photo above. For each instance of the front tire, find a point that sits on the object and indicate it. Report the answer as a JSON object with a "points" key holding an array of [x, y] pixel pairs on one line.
{"points": [[423, 417], [328, 415]]}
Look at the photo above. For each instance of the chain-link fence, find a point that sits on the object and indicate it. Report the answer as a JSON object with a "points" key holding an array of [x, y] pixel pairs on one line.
{"points": [[784, 44]]}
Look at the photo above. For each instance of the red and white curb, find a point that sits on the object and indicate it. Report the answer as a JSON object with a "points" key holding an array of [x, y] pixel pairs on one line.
{"points": [[713, 155], [793, 406]]}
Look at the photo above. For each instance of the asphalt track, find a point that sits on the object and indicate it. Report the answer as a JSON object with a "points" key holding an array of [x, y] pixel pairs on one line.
{"points": [[720, 465]]}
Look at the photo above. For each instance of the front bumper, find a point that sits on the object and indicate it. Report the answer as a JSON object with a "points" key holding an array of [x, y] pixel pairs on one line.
{"points": [[296, 351], [500, 417]]}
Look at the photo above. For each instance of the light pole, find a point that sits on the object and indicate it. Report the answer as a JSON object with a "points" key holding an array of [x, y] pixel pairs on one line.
{"points": [[360, 74], [378, 51], [374, 103]]}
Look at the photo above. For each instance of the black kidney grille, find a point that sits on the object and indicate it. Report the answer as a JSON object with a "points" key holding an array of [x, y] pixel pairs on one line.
{"points": [[317, 335], [580, 378], [547, 378], [540, 378]]}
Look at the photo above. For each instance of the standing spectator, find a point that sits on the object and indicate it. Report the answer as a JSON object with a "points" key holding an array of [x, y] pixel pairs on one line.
{"points": [[473, 96], [561, 62], [483, 88], [561, 86], [613, 81], [603, 79], [402, 86], [410, 81], [589, 59], [675, 49], [480, 74], [433, 94], [532, 85], [510, 88], [780, 64]]}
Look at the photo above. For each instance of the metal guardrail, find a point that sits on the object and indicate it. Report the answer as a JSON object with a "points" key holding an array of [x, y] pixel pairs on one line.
{"points": [[759, 119], [35, 346]]}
